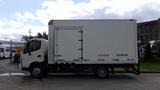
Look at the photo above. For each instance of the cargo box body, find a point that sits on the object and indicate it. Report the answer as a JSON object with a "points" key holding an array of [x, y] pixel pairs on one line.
{"points": [[92, 41]]}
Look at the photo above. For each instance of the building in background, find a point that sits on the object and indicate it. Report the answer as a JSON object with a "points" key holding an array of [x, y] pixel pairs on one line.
{"points": [[147, 31], [16, 43]]}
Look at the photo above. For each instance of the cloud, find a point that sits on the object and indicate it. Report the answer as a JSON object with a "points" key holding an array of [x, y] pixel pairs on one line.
{"points": [[69, 9], [142, 11], [37, 21], [13, 36], [148, 11], [23, 30], [2, 23], [25, 16], [15, 24]]}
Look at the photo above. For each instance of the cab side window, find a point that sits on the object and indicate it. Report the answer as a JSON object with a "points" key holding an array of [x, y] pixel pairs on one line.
{"points": [[32, 46], [35, 45], [1, 49]]}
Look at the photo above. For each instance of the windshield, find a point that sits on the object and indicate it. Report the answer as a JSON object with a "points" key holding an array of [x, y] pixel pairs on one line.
{"points": [[8, 49], [1, 49]]}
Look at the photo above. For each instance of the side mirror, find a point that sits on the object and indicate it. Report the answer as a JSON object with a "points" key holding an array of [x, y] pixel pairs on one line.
{"points": [[29, 53]]}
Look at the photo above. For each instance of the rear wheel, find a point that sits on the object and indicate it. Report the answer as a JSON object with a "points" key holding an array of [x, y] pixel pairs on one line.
{"points": [[37, 71], [102, 72]]}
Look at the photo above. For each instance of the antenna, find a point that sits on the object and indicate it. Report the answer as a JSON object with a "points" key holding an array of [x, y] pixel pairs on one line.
{"points": [[5, 38], [30, 33]]}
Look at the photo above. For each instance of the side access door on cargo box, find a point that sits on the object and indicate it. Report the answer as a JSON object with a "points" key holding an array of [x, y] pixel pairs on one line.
{"points": [[68, 43]]}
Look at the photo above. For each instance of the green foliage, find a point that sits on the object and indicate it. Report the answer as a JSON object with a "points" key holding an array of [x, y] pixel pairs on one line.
{"points": [[151, 54], [26, 38], [45, 36], [39, 35], [150, 67], [147, 52]]}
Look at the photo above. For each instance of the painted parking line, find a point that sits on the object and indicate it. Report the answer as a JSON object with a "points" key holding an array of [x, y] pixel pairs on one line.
{"points": [[13, 74]]}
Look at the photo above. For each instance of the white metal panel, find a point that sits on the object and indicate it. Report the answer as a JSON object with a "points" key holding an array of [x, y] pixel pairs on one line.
{"points": [[105, 41], [51, 46], [67, 45]]}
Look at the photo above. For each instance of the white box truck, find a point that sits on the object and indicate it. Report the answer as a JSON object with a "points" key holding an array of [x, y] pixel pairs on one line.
{"points": [[98, 46]]}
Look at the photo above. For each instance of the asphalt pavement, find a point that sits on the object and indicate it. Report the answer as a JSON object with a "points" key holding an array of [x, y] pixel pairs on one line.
{"points": [[11, 80]]}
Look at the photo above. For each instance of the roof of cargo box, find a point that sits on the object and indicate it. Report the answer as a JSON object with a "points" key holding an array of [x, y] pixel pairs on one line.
{"points": [[52, 21]]}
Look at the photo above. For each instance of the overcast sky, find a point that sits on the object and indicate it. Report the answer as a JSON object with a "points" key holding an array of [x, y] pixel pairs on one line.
{"points": [[18, 16]]}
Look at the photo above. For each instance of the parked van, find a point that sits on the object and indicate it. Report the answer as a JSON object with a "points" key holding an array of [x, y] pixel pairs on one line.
{"points": [[1, 52], [5, 51]]}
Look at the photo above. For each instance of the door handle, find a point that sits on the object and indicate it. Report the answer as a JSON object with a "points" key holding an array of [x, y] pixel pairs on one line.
{"points": [[38, 55]]}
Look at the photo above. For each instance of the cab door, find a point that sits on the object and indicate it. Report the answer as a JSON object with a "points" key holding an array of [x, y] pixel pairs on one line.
{"points": [[33, 52]]}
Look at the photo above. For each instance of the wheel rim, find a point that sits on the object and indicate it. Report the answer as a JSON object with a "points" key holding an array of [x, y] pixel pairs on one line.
{"points": [[102, 72], [36, 72]]}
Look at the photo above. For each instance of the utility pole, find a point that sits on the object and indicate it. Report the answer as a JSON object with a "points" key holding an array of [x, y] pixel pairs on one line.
{"points": [[30, 33], [5, 38], [11, 58]]}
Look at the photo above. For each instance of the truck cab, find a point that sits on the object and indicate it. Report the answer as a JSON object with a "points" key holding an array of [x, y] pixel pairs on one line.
{"points": [[33, 54]]}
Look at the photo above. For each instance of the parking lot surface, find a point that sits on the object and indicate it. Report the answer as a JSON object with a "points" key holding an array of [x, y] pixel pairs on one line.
{"points": [[11, 80]]}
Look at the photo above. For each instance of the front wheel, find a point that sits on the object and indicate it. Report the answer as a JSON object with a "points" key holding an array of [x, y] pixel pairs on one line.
{"points": [[102, 72], [37, 71]]}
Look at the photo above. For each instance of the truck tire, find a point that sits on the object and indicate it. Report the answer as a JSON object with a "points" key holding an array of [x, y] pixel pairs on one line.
{"points": [[37, 71], [102, 72]]}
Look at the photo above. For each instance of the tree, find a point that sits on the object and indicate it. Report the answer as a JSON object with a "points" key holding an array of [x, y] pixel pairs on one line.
{"points": [[147, 52], [156, 50], [39, 35], [26, 38], [45, 36]]}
